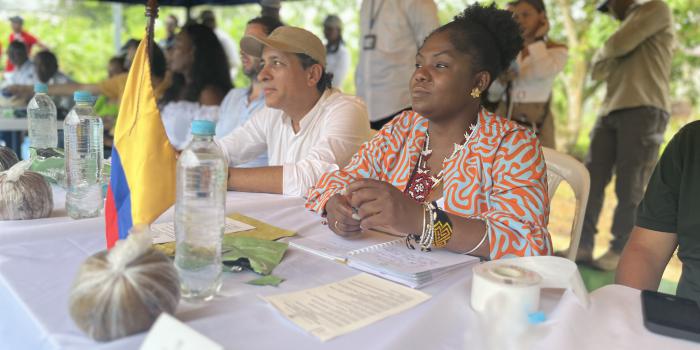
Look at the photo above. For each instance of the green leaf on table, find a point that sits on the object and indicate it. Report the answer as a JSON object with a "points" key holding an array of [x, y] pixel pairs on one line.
{"points": [[269, 280], [262, 255]]}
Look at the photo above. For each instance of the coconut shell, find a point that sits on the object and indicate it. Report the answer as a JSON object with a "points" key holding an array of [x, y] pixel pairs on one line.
{"points": [[8, 158], [122, 294], [24, 195]]}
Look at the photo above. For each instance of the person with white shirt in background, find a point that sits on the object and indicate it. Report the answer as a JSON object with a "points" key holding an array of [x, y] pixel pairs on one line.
{"points": [[207, 18], [337, 55], [391, 31], [523, 93], [23, 73], [241, 103], [306, 128]]}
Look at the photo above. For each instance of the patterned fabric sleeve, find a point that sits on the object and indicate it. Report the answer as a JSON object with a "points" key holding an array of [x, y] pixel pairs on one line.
{"points": [[366, 163], [519, 204]]}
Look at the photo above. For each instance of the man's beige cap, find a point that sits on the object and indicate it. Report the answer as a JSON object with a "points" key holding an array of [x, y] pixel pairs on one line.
{"points": [[287, 39]]}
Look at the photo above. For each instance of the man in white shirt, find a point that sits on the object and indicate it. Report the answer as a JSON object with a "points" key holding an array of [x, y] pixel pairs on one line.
{"points": [[306, 128], [207, 18], [391, 31]]}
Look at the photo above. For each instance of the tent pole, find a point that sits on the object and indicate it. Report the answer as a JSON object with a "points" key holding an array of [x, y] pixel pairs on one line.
{"points": [[152, 14]]}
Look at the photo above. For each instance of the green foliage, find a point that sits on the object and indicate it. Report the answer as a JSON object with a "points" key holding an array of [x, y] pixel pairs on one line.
{"points": [[81, 33]]}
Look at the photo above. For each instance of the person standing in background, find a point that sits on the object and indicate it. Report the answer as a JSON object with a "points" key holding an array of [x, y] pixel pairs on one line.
{"points": [[19, 34], [635, 63], [391, 31], [171, 27], [337, 55], [230, 46], [524, 92], [270, 8]]}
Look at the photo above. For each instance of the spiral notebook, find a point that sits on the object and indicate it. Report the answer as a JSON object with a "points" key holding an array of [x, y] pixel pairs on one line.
{"points": [[386, 256]]}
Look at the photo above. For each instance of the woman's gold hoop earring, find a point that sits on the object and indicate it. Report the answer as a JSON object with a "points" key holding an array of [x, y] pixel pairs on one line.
{"points": [[475, 93]]}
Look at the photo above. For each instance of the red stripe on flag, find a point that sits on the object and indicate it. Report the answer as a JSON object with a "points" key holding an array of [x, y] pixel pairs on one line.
{"points": [[111, 220]]}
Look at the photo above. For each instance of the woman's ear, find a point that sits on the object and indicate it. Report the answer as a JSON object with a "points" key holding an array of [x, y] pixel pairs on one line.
{"points": [[483, 80]]}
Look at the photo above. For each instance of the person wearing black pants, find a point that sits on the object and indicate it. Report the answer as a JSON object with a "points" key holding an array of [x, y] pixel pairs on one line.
{"points": [[635, 63]]}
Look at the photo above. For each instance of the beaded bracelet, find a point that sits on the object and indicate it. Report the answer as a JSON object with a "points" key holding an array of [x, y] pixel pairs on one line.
{"points": [[416, 238], [442, 228], [428, 236]]}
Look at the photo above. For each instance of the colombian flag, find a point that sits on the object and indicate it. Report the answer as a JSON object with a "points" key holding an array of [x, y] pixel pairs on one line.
{"points": [[142, 185]]}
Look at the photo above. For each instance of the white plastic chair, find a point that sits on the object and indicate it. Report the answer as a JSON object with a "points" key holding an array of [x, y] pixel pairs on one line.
{"points": [[564, 167]]}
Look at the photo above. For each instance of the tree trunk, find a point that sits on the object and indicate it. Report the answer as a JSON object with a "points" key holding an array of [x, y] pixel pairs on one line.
{"points": [[575, 79]]}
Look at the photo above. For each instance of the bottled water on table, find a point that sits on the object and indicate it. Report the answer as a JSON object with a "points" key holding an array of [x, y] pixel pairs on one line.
{"points": [[41, 116], [82, 132], [200, 214]]}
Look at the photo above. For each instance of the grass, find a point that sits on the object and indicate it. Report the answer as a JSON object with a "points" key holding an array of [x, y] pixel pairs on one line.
{"points": [[560, 218]]}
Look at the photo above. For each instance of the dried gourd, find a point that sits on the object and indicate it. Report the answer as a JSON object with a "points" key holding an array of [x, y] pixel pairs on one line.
{"points": [[8, 158], [24, 194], [123, 291]]}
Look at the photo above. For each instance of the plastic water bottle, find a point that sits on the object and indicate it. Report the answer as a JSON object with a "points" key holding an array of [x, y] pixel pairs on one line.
{"points": [[82, 132], [41, 115], [200, 214]]}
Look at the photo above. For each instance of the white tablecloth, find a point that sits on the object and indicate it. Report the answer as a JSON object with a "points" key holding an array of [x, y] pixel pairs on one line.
{"points": [[39, 260], [19, 124]]}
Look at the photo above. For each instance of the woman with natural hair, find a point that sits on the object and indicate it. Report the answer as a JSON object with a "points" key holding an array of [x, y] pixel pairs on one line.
{"points": [[524, 92], [200, 80], [448, 174]]}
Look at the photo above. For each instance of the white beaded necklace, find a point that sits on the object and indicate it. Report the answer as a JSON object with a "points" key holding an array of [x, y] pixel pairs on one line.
{"points": [[457, 148]]}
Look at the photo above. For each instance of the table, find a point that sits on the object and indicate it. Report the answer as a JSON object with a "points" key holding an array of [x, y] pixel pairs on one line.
{"points": [[20, 124], [39, 260]]}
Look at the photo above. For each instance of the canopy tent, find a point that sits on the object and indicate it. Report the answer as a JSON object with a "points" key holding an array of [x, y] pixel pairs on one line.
{"points": [[188, 4]]}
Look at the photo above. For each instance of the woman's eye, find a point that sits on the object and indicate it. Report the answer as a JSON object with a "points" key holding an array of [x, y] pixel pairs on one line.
{"points": [[418, 65], [440, 65]]}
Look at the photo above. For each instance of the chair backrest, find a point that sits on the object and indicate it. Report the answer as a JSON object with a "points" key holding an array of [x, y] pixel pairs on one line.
{"points": [[564, 167]]}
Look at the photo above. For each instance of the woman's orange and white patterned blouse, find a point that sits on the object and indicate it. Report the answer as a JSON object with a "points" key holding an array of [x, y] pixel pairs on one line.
{"points": [[500, 177]]}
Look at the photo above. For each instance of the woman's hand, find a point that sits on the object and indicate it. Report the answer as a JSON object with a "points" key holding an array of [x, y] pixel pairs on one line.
{"points": [[381, 205], [339, 216], [543, 29]]}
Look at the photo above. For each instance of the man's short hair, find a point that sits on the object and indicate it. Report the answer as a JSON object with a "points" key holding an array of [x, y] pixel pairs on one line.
{"points": [[326, 78], [269, 23], [46, 57], [207, 18], [17, 49]]}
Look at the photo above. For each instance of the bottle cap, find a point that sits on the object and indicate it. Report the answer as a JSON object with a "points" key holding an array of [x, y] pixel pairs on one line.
{"points": [[203, 127], [82, 96], [536, 317], [41, 87]]}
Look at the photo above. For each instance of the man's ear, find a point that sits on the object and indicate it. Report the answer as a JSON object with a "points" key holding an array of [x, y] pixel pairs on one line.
{"points": [[314, 75]]}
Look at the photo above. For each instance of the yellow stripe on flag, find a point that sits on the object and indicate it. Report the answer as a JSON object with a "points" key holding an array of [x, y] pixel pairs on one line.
{"points": [[146, 155]]}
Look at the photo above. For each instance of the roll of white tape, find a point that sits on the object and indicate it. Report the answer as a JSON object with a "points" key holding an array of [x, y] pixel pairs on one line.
{"points": [[506, 287]]}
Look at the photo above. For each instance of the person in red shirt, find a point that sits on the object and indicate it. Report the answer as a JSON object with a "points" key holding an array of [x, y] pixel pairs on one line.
{"points": [[18, 34]]}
